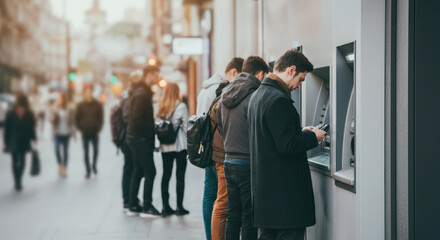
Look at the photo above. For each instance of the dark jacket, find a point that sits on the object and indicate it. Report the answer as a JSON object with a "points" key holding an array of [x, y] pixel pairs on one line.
{"points": [[140, 117], [19, 132], [282, 193], [218, 150], [89, 117], [232, 115]]}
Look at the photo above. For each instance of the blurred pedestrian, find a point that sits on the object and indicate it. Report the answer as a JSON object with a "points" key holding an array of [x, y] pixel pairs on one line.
{"points": [[232, 125], [204, 101], [19, 135], [39, 108], [89, 120], [220, 210], [127, 172], [283, 202], [173, 109], [141, 139], [63, 125]]}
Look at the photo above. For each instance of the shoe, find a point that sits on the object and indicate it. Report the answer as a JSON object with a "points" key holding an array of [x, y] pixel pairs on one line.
{"points": [[18, 188], [126, 208], [168, 211], [95, 171], [180, 211], [151, 212], [63, 171], [134, 211], [88, 176]]}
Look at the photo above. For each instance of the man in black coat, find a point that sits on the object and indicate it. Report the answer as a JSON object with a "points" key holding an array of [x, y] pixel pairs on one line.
{"points": [[282, 193], [232, 125], [140, 139], [89, 118]]}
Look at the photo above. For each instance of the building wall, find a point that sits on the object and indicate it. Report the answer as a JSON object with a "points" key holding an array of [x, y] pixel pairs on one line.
{"points": [[32, 41]]}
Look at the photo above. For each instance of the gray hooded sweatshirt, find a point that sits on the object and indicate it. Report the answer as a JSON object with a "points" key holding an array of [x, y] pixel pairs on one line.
{"points": [[207, 94], [232, 115]]}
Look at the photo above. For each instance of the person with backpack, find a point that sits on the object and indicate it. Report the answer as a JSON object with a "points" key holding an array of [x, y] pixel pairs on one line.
{"points": [[89, 118], [119, 122], [175, 113], [232, 124], [141, 139], [204, 102], [63, 125]]}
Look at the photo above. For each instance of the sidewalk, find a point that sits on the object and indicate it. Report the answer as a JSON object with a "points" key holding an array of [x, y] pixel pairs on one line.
{"points": [[51, 208]]}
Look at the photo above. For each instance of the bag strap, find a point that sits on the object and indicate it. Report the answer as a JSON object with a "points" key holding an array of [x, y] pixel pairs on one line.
{"points": [[212, 105]]}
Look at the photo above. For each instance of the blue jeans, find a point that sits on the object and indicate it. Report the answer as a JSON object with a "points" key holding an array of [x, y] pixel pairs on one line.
{"points": [[62, 140], [209, 196]]}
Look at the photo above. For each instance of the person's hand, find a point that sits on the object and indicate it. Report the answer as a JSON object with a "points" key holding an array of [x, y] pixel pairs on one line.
{"points": [[320, 134], [34, 144], [308, 129]]}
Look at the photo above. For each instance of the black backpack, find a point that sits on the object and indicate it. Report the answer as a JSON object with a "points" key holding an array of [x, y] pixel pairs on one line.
{"points": [[199, 138], [117, 124], [165, 129]]}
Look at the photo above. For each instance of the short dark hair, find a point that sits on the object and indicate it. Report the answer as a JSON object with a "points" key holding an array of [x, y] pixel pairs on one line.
{"points": [[237, 63], [254, 64], [21, 100], [293, 57], [149, 69]]}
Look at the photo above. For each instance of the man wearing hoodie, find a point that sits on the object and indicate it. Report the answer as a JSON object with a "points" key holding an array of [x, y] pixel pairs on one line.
{"points": [[140, 139], [232, 124], [204, 100]]}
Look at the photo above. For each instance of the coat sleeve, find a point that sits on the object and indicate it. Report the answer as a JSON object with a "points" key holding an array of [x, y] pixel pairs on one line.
{"points": [[100, 116], [219, 118], [289, 140], [33, 125], [78, 117], [7, 128]]}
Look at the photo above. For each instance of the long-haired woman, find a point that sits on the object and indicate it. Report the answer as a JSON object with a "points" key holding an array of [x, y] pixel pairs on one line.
{"points": [[63, 124], [18, 135], [172, 108]]}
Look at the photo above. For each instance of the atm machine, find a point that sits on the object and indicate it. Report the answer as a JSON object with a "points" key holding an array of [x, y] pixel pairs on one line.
{"points": [[345, 174], [319, 112]]}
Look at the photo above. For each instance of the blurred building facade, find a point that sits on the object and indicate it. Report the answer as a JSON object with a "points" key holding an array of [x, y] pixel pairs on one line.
{"points": [[33, 45]]}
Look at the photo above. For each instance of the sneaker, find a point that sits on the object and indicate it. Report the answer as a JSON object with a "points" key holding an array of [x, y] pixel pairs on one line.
{"points": [[126, 208], [88, 176], [168, 211], [180, 211], [134, 211], [150, 213]]}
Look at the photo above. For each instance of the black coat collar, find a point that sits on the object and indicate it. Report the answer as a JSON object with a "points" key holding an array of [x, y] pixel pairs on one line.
{"points": [[273, 83]]}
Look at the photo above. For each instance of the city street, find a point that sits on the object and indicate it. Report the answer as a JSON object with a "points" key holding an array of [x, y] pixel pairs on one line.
{"points": [[52, 208]]}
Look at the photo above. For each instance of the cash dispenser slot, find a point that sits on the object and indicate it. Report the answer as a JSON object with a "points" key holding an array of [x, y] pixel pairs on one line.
{"points": [[345, 174], [319, 107]]}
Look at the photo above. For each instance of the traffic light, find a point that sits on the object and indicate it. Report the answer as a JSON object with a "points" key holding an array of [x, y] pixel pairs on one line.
{"points": [[152, 61], [162, 83], [72, 75], [113, 79]]}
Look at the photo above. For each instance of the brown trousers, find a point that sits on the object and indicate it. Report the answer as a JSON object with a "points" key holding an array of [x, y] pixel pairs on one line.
{"points": [[219, 213]]}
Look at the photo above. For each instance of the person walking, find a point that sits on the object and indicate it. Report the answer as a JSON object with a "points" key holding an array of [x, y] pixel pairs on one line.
{"points": [[141, 139], [89, 118], [283, 202], [173, 109], [204, 100], [63, 125], [220, 210], [232, 124], [127, 171], [19, 136]]}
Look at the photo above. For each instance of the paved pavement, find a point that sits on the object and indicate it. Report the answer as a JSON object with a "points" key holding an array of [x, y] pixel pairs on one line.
{"points": [[51, 208]]}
